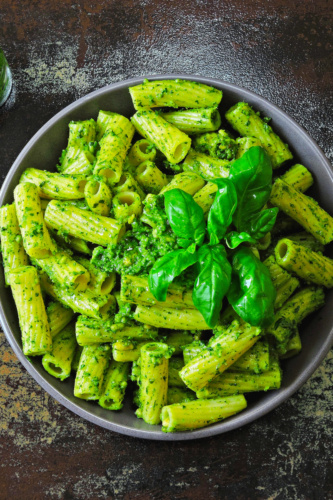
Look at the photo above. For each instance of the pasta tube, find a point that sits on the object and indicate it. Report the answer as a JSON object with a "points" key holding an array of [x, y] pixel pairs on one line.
{"points": [[83, 302], [206, 166], [153, 382], [58, 317], [114, 145], [239, 383], [223, 350], [189, 182], [299, 177], [36, 239], [100, 282], [36, 337], [83, 224], [293, 347], [165, 137], [58, 362], [128, 183], [192, 350], [13, 253], [109, 121], [256, 359], [84, 130], [98, 197], [91, 331], [292, 313], [303, 210], [140, 152], [248, 123], [127, 350], [77, 356], [126, 205], [114, 387], [79, 245], [184, 319], [64, 271], [308, 265], [284, 284], [174, 380], [77, 159], [194, 121], [70, 243], [174, 93], [200, 413], [135, 290], [307, 240], [90, 374], [246, 143], [178, 340], [205, 197], [179, 395], [55, 186], [150, 177]]}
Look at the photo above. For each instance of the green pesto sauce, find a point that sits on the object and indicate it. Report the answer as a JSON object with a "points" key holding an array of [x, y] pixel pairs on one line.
{"points": [[137, 252], [218, 145]]}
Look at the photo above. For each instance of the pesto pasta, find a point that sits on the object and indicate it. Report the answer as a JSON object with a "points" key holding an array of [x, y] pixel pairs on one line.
{"points": [[36, 336], [58, 362], [13, 253], [170, 270]]}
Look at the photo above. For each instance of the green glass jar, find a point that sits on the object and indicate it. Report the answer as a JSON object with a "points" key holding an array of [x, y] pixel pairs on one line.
{"points": [[5, 79]]}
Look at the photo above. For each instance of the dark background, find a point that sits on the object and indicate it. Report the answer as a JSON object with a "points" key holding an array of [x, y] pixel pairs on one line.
{"points": [[58, 52]]}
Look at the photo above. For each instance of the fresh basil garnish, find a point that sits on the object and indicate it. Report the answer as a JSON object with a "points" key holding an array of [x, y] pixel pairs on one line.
{"points": [[212, 283], [186, 217], [165, 270]]}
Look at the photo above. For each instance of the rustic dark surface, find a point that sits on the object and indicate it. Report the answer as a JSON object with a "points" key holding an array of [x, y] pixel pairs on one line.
{"points": [[59, 51]]}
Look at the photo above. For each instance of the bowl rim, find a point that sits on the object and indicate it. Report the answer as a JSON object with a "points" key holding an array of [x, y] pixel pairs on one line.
{"points": [[218, 428]]}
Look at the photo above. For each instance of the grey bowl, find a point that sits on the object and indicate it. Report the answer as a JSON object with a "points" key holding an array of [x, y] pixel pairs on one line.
{"points": [[43, 152]]}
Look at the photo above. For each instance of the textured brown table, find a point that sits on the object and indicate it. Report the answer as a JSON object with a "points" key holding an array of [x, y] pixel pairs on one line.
{"points": [[59, 51]]}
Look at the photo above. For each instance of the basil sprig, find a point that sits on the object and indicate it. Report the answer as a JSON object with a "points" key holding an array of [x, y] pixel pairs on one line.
{"points": [[186, 217], [239, 200], [252, 177], [166, 269], [251, 293], [222, 210], [212, 283], [187, 221]]}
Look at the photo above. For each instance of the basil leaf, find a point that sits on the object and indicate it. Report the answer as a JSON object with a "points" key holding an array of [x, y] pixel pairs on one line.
{"points": [[186, 217], [234, 239], [263, 222], [252, 177], [220, 214], [251, 293], [212, 282], [166, 269]]}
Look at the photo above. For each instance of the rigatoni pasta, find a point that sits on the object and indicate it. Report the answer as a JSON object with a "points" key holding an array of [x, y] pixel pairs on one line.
{"points": [[197, 286], [36, 238], [58, 362], [165, 136], [94, 361], [13, 253], [83, 224], [36, 336], [53, 186], [153, 384]]}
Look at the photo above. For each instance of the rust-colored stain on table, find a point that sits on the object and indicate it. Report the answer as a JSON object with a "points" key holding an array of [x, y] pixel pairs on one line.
{"points": [[59, 51]]}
